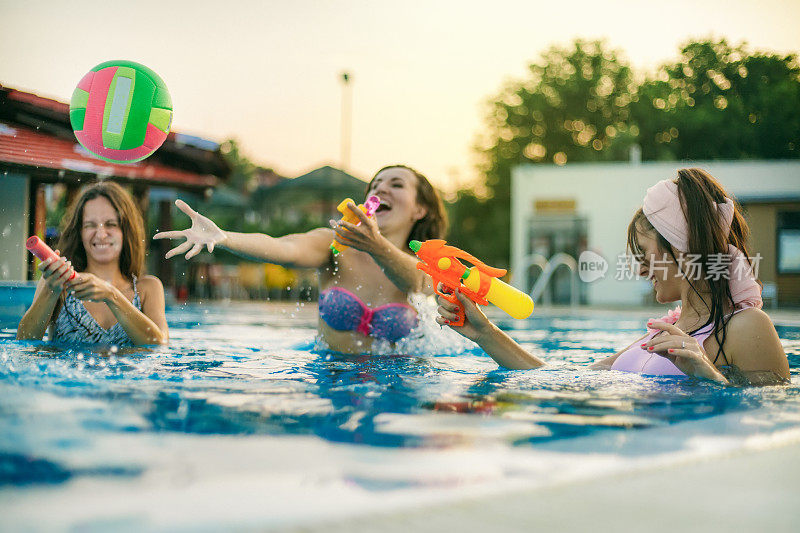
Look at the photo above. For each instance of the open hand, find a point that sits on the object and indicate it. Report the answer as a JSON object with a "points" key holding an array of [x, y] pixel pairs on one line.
{"points": [[683, 350], [365, 236], [475, 322], [202, 233]]}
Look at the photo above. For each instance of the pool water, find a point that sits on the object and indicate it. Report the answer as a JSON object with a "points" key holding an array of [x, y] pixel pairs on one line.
{"points": [[244, 405]]}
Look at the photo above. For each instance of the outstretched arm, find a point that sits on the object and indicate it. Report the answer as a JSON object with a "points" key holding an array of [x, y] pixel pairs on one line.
{"points": [[495, 342], [303, 250]]}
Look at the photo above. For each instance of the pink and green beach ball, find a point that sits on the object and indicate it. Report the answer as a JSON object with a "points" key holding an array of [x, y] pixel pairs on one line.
{"points": [[121, 111]]}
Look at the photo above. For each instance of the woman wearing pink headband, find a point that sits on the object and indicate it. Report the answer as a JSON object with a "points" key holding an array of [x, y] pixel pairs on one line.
{"points": [[696, 235]]}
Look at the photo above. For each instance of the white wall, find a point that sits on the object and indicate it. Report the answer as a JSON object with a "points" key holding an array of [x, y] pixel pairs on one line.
{"points": [[607, 195], [13, 226]]}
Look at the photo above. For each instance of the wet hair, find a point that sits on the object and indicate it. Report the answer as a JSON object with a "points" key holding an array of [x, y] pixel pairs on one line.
{"points": [[70, 244], [434, 224], [698, 192]]}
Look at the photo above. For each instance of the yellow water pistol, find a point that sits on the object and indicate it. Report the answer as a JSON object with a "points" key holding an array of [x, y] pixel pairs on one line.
{"points": [[513, 301], [479, 283], [369, 207]]}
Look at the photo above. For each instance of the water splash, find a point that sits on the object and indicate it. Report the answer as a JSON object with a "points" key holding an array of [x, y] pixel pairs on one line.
{"points": [[428, 338]]}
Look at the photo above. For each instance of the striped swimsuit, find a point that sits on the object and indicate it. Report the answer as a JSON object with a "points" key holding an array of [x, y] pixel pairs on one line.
{"points": [[76, 324]]}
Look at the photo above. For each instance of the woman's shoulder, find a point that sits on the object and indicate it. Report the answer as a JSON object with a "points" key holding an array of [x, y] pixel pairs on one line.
{"points": [[148, 284], [749, 328], [750, 321], [753, 343]]}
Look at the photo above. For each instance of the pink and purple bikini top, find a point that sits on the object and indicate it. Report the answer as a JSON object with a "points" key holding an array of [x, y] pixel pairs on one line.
{"points": [[344, 311], [637, 359]]}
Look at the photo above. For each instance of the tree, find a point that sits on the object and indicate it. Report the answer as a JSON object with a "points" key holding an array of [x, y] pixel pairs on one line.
{"points": [[583, 103], [243, 171], [718, 101], [574, 105]]}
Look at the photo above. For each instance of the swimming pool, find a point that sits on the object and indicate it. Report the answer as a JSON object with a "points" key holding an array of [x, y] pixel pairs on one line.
{"points": [[243, 421]]}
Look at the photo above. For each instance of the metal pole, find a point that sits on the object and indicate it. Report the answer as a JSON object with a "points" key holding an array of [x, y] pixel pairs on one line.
{"points": [[347, 111]]}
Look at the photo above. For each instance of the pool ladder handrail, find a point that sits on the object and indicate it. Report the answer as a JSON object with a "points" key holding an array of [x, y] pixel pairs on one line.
{"points": [[528, 262], [550, 267]]}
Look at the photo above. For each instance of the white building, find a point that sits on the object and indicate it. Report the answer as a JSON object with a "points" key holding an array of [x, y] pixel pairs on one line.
{"points": [[580, 207]]}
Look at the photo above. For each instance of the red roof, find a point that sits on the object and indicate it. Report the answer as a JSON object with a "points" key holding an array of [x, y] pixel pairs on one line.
{"points": [[25, 146], [46, 103], [38, 101]]}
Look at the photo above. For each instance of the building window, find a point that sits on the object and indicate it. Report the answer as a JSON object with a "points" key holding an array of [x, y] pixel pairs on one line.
{"points": [[789, 242]]}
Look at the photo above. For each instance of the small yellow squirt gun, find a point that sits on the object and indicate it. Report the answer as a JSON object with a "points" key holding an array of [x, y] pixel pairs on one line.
{"points": [[369, 207]]}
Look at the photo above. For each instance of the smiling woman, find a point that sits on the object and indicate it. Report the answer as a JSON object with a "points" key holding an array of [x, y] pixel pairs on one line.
{"points": [[690, 240], [108, 301], [364, 289]]}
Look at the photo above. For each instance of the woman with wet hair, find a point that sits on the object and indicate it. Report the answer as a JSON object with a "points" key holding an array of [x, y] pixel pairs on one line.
{"points": [[689, 238], [364, 288], [108, 301]]}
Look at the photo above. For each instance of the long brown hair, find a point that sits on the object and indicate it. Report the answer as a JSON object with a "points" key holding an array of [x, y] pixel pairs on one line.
{"points": [[131, 258], [699, 192], [434, 224]]}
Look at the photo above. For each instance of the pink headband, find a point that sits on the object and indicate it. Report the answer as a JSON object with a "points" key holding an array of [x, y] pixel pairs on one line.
{"points": [[662, 207]]}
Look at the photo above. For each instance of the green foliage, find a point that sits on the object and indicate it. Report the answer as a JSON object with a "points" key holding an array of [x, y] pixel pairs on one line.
{"points": [[585, 104], [280, 227], [574, 105], [243, 172], [721, 102], [476, 228], [56, 213]]}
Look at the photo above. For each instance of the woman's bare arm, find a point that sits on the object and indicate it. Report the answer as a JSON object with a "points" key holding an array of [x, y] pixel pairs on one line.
{"points": [[303, 250]]}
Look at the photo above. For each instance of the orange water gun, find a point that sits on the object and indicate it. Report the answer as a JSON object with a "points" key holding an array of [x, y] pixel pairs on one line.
{"points": [[479, 283]]}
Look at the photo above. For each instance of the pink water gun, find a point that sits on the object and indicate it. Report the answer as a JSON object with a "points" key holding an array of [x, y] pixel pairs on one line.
{"points": [[38, 248]]}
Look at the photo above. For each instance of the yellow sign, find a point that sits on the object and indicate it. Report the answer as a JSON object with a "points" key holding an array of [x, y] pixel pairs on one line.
{"points": [[554, 206]]}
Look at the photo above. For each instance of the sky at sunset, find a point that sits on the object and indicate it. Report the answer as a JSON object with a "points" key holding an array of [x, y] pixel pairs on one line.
{"points": [[268, 73]]}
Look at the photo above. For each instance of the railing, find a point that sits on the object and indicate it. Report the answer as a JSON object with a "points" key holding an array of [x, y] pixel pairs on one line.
{"points": [[531, 260], [547, 273]]}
